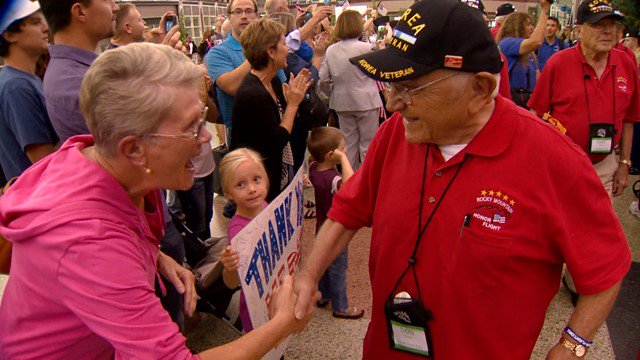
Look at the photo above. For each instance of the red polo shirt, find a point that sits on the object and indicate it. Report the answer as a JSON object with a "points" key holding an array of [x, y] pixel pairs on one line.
{"points": [[560, 91], [488, 285], [629, 52], [504, 89]]}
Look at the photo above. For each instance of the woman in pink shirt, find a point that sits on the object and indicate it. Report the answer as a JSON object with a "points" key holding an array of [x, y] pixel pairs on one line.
{"points": [[86, 222]]}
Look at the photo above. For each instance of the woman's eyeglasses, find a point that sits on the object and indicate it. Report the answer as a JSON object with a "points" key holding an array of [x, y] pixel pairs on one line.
{"points": [[194, 133]]}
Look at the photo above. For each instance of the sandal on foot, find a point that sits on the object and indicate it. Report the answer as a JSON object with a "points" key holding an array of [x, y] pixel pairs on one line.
{"points": [[310, 214], [322, 303], [309, 204], [352, 314]]}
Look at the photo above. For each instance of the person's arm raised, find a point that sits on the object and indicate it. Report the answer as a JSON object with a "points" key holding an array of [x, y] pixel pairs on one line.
{"points": [[534, 41], [294, 92]]}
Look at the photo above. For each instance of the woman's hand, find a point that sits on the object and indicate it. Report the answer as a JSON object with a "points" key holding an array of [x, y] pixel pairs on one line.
{"points": [[321, 44], [182, 279], [297, 87], [283, 304]]}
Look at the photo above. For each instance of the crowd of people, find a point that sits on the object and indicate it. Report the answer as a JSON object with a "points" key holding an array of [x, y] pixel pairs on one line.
{"points": [[110, 151]]}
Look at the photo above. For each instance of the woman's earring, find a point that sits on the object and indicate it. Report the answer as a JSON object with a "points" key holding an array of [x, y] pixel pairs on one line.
{"points": [[146, 169]]}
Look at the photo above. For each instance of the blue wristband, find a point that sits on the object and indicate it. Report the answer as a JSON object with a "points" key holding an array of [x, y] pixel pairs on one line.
{"points": [[577, 338]]}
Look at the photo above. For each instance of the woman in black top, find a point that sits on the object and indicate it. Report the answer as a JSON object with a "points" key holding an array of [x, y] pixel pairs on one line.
{"points": [[263, 109]]}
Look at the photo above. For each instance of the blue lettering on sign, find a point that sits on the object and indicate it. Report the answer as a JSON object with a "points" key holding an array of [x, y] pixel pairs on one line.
{"points": [[252, 271], [275, 251], [280, 225], [287, 208], [268, 251], [300, 198]]}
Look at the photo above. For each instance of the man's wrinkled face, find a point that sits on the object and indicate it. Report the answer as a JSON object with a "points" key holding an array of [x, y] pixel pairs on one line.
{"points": [[433, 113], [599, 37]]}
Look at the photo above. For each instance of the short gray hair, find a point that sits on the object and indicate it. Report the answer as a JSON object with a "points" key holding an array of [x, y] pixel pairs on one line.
{"points": [[126, 91]]}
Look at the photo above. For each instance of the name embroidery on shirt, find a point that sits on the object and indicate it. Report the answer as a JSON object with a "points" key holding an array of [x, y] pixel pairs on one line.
{"points": [[494, 209]]}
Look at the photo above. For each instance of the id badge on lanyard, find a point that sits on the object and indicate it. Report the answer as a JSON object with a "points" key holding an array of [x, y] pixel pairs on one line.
{"points": [[407, 325], [601, 138]]}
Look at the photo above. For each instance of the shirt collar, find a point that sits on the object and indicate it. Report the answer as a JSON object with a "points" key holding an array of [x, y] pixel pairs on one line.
{"points": [[72, 53], [496, 135], [583, 60], [233, 43]]}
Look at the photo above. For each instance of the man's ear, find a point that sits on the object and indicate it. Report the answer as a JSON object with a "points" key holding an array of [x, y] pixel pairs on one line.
{"points": [[483, 86], [9, 37], [78, 12], [133, 149], [127, 28]]}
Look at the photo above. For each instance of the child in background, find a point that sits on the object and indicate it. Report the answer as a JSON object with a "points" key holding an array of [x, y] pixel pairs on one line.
{"points": [[244, 181], [326, 145]]}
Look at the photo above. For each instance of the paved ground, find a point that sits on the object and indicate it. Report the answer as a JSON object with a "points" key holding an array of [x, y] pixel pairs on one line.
{"points": [[330, 338]]}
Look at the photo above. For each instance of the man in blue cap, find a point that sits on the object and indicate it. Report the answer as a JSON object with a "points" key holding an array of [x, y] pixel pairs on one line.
{"points": [[26, 134]]}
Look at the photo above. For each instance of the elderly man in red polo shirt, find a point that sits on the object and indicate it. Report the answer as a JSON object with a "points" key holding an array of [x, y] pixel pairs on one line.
{"points": [[591, 92], [475, 206]]}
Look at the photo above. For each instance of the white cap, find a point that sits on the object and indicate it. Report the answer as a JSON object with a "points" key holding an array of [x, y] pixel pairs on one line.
{"points": [[17, 9]]}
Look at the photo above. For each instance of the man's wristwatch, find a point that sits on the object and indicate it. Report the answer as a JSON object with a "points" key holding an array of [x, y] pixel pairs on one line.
{"points": [[626, 162], [577, 349]]}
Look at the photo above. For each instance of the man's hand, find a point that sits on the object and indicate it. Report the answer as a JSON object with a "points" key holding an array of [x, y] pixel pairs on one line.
{"points": [[559, 352], [545, 5], [182, 279], [620, 179], [307, 291], [282, 306], [172, 38], [320, 13]]}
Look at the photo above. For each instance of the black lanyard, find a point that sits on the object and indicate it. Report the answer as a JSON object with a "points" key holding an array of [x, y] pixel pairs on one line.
{"points": [[613, 88], [422, 229]]}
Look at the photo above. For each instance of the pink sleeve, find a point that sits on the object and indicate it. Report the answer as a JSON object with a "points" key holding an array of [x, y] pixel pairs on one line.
{"points": [[106, 281]]}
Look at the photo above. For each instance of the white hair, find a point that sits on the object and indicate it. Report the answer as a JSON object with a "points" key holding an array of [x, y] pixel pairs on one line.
{"points": [[128, 91]]}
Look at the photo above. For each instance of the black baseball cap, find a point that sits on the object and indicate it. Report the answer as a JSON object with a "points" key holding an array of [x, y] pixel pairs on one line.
{"points": [[505, 9], [592, 11], [434, 34], [476, 4]]}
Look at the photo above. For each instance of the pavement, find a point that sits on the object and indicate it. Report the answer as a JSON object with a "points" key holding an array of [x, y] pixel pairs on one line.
{"points": [[329, 338]]}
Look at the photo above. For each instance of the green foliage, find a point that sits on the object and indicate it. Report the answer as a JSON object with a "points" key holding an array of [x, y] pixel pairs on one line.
{"points": [[182, 27], [631, 11]]}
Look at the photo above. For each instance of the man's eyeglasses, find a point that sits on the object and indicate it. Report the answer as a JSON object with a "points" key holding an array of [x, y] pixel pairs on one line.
{"points": [[404, 94], [240, 11], [192, 134]]}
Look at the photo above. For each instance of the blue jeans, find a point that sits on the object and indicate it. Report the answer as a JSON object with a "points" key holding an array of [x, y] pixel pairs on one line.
{"points": [[333, 284], [197, 206]]}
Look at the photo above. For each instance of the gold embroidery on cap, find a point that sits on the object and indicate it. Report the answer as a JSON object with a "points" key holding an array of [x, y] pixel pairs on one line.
{"points": [[367, 67], [396, 74]]}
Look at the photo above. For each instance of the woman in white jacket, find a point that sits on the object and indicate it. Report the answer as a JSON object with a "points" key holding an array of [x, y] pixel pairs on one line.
{"points": [[354, 96]]}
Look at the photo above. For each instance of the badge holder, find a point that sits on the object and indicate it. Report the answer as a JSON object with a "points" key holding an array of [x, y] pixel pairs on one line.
{"points": [[601, 138], [407, 325]]}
